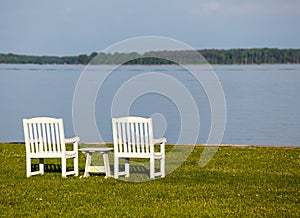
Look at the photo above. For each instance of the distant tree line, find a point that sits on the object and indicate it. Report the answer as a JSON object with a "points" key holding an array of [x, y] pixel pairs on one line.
{"points": [[213, 56], [27, 59], [253, 56], [232, 56]]}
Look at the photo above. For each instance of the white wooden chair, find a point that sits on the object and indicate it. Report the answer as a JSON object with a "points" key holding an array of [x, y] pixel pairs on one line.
{"points": [[133, 138], [44, 138]]}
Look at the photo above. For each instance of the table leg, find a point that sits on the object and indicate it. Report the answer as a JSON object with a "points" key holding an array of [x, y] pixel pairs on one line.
{"points": [[106, 165], [87, 164]]}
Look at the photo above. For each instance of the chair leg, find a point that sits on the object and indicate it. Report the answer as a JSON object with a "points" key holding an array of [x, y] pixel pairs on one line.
{"points": [[76, 165], [116, 167], [41, 166], [127, 167], [162, 167], [28, 166], [64, 167], [152, 168]]}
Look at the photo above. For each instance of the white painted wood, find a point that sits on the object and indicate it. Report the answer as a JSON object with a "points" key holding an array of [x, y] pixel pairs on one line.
{"points": [[44, 138], [96, 169], [133, 138], [105, 168]]}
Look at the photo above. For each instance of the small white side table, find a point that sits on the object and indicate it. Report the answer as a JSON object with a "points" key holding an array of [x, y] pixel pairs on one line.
{"points": [[96, 169]]}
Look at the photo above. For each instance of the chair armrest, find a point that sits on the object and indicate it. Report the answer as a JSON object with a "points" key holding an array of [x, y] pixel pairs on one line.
{"points": [[159, 141], [72, 140]]}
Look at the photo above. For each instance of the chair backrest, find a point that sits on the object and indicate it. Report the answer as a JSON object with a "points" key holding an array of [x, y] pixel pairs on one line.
{"points": [[44, 135], [133, 135]]}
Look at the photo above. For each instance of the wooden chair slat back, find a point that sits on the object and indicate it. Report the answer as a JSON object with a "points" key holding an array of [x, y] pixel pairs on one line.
{"points": [[44, 135], [132, 135]]}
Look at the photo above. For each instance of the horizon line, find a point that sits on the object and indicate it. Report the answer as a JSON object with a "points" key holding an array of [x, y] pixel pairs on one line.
{"points": [[218, 49]]}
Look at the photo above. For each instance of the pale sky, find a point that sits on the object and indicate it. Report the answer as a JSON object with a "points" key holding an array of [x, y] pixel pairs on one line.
{"points": [[72, 27]]}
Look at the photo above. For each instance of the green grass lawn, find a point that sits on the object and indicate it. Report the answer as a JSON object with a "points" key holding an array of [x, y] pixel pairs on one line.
{"points": [[237, 182]]}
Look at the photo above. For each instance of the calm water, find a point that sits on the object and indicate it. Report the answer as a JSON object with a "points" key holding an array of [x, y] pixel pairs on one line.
{"points": [[262, 101]]}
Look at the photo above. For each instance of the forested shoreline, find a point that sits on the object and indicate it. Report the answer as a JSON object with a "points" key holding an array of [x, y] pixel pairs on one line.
{"points": [[213, 56]]}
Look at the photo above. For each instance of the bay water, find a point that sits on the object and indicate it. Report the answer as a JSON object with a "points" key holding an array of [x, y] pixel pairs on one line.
{"points": [[262, 101]]}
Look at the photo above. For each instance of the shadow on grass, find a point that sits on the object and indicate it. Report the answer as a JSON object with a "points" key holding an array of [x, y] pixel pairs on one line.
{"points": [[139, 170], [52, 168]]}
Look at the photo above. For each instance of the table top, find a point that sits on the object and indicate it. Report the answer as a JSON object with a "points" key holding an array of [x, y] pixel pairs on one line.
{"points": [[96, 149]]}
